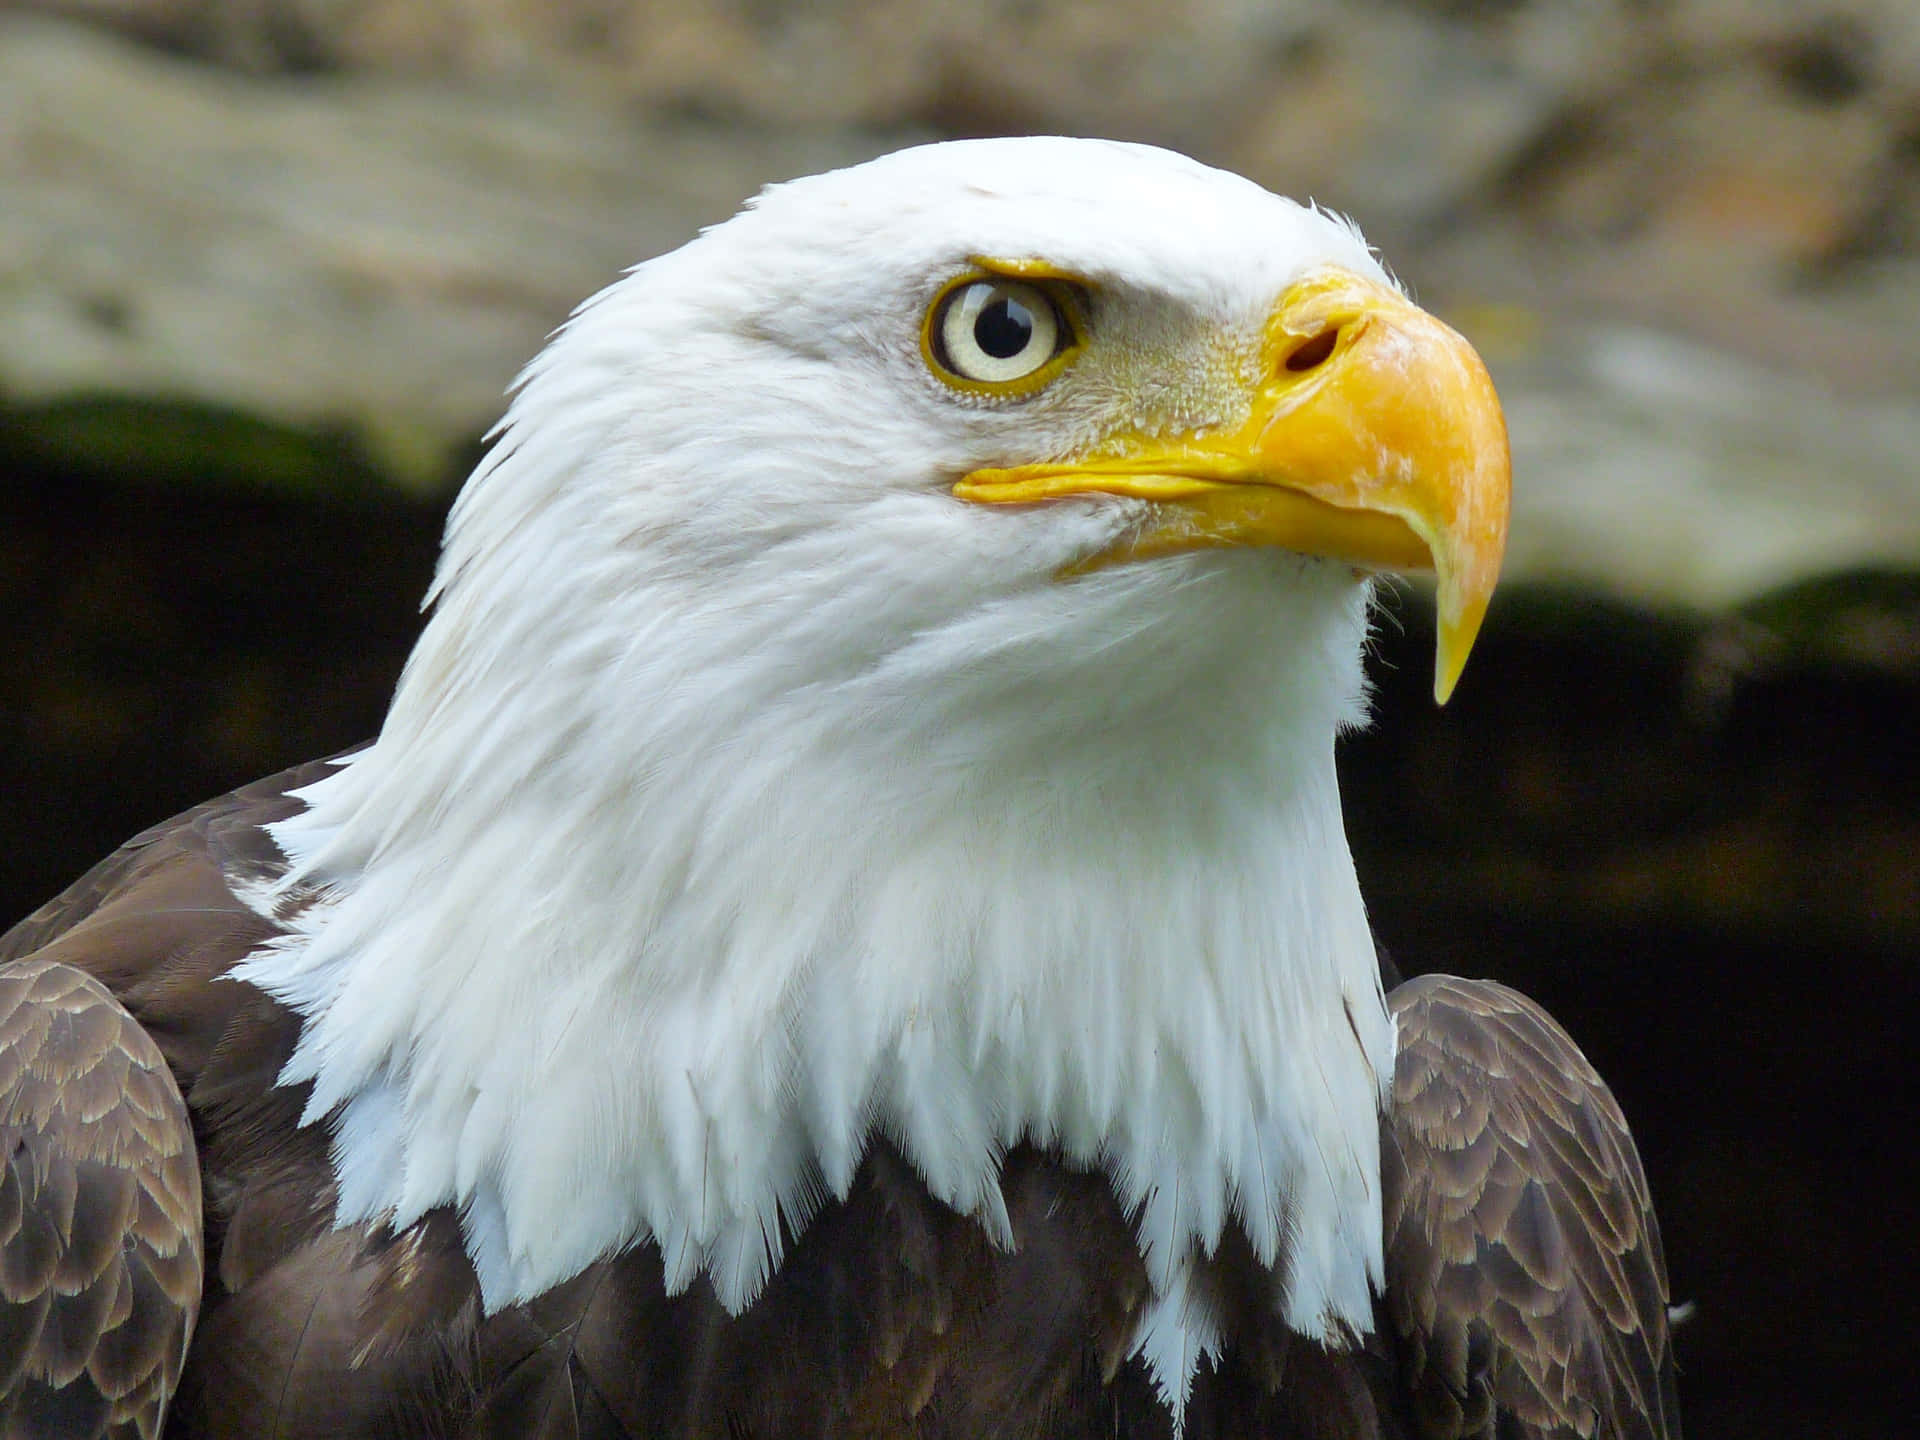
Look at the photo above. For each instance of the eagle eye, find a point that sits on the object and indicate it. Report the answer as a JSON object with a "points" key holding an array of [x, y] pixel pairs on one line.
{"points": [[1001, 336]]}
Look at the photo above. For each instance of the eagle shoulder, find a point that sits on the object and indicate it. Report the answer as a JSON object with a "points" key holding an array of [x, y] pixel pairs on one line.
{"points": [[100, 1237], [1525, 1277]]}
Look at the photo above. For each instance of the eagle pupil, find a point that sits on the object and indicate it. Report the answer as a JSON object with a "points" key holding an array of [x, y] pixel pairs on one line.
{"points": [[1004, 328]]}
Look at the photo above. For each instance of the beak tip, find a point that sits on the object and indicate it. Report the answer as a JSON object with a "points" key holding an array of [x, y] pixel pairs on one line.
{"points": [[1446, 673], [1458, 627]]}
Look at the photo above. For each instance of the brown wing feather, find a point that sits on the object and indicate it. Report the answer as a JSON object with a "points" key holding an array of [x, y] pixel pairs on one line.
{"points": [[1524, 1269], [158, 924], [100, 1245]]}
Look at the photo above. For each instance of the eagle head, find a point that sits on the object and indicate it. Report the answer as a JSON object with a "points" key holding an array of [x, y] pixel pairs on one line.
{"points": [[882, 680]]}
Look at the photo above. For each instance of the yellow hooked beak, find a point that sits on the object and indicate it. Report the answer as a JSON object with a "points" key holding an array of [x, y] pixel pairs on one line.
{"points": [[1374, 438]]}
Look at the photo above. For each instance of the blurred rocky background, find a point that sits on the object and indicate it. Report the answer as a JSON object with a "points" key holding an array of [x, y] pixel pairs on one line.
{"points": [[267, 265]]}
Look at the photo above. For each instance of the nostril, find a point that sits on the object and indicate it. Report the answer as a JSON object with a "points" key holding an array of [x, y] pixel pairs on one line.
{"points": [[1313, 352]]}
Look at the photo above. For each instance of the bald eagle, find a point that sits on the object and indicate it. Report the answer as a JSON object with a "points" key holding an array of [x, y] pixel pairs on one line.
{"points": [[846, 927]]}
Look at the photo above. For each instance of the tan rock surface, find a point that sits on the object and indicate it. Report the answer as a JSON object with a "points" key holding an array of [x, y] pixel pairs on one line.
{"points": [[1688, 238], [340, 249]]}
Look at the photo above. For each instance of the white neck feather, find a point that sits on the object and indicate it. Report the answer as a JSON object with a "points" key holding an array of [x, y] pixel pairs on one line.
{"points": [[591, 1001]]}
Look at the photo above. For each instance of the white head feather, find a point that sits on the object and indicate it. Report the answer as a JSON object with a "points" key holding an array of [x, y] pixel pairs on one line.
{"points": [[748, 794]]}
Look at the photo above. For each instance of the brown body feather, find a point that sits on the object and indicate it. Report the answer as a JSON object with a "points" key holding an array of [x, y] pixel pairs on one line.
{"points": [[1524, 1270], [1526, 1291], [100, 1263]]}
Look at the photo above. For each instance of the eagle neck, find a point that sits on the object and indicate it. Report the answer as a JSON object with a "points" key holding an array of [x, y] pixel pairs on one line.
{"points": [[592, 1003]]}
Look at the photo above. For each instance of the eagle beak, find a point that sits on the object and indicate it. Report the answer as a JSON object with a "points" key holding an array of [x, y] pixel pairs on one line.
{"points": [[1374, 437]]}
